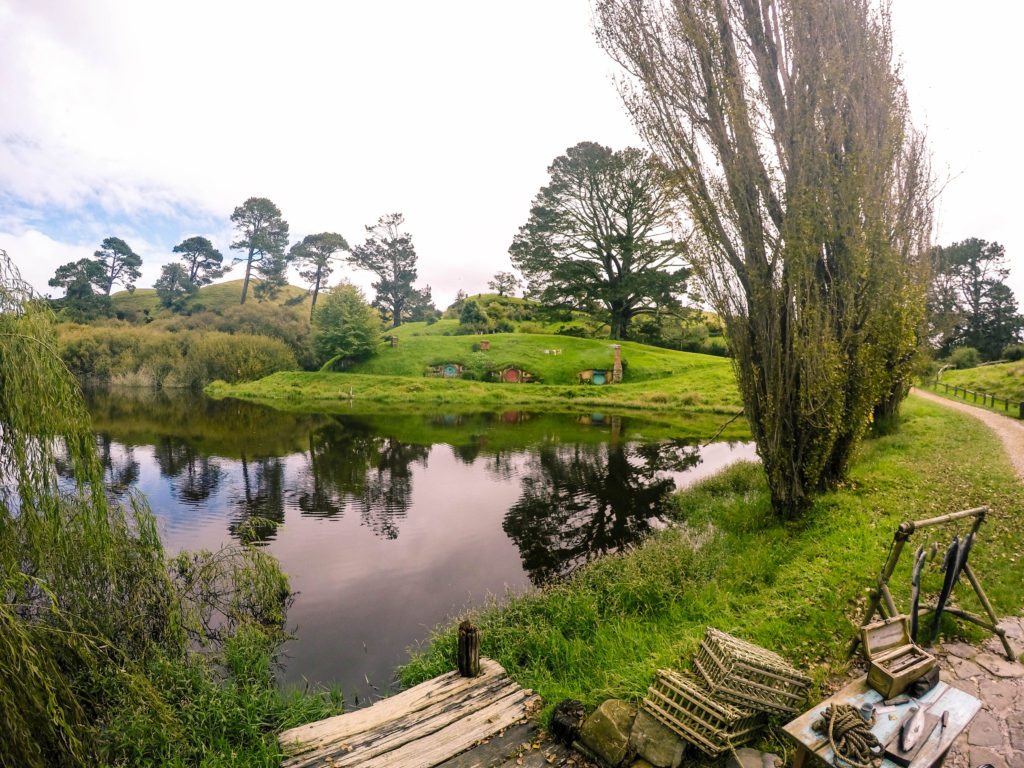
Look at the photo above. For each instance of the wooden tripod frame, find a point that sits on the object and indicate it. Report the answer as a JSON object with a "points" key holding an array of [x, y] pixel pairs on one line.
{"points": [[881, 598]]}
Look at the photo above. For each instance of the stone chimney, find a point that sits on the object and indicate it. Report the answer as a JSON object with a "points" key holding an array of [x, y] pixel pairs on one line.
{"points": [[617, 367]]}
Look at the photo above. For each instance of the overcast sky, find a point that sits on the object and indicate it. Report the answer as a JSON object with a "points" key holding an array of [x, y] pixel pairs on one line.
{"points": [[152, 121]]}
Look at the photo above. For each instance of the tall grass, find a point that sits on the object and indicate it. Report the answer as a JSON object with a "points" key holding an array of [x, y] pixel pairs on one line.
{"points": [[144, 356]]}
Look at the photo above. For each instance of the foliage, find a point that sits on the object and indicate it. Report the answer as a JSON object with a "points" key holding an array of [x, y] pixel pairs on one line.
{"points": [[95, 666], [345, 326], [504, 283], [262, 235], [150, 357], [174, 287], [314, 256], [81, 302], [1013, 352], [203, 263], [969, 303], [420, 306], [731, 564], [390, 255], [965, 357], [597, 233], [786, 133], [471, 315], [120, 265]]}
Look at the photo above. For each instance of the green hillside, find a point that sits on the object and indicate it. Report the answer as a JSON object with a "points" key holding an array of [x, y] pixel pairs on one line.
{"points": [[552, 359], [1002, 379], [214, 298]]}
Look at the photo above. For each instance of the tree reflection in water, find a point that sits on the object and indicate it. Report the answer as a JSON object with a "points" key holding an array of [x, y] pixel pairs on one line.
{"points": [[194, 476], [582, 501], [350, 464], [258, 506]]}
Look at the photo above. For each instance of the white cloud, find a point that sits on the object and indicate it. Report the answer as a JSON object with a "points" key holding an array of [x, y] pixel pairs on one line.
{"points": [[449, 112]]}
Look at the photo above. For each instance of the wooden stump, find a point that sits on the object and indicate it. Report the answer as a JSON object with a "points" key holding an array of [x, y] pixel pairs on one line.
{"points": [[469, 650]]}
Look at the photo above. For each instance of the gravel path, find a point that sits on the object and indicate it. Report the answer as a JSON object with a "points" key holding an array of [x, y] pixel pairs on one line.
{"points": [[1010, 431]]}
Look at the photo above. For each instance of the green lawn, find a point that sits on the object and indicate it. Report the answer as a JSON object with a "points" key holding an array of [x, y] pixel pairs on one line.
{"points": [[1002, 379], [797, 588]]}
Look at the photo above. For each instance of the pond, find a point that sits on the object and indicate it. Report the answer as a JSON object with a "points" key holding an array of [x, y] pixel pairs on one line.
{"points": [[389, 525]]}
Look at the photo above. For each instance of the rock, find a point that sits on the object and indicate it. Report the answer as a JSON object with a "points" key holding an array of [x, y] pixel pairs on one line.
{"points": [[640, 763], [985, 732], [961, 650], [980, 756], [656, 743], [1014, 627], [999, 666], [566, 719], [745, 757], [606, 731], [999, 695], [1015, 725], [965, 669], [967, 686]]}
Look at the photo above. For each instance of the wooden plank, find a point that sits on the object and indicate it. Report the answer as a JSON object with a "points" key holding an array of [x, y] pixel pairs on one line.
{"points": [[398, 732], [457, 737], [418, 697], [496, 750]]}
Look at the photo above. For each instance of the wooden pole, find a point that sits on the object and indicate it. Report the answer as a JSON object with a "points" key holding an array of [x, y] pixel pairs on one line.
{"points": [[469, 650]]}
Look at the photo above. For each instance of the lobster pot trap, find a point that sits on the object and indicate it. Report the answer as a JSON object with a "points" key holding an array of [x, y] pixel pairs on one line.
{"points": [[682, 704], [749, 676]]}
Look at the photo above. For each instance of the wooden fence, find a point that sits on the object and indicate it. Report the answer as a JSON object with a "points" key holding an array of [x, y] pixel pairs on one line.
{"points": [[1011, 407]]}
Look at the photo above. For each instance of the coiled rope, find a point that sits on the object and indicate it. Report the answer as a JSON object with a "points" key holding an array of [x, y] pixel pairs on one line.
{"points": [[849, 736]]}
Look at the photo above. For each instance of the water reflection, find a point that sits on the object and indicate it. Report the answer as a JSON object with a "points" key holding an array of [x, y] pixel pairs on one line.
{"points": [[388, 525], [582, 501]]}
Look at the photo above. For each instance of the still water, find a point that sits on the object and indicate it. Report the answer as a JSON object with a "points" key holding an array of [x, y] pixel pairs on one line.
{"points": [[389, 525]]}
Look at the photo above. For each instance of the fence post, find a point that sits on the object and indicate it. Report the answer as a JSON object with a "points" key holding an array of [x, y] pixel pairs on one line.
{"points": [[1021, 408]]}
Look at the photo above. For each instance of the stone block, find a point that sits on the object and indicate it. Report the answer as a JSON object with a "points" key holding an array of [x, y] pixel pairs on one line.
{"points": [[960, 650], [999, 666], [1015, 725], [980, 756], [985, 731], [656, 743], [746, 757], [606, 731]]}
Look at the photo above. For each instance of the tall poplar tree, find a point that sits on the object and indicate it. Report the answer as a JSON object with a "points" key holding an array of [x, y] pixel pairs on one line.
{"points": [[786, 134]]}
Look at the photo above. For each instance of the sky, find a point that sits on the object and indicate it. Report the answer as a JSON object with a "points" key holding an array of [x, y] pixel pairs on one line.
{"points": [[153, 121]]}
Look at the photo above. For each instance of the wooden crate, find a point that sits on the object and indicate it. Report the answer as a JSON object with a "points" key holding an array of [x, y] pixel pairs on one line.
{"points": [[681, 703], [749, 676], [894, 661]]}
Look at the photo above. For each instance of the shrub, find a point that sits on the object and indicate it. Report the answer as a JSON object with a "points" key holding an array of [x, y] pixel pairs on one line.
{"points": [[965, 357], [345, 326], [1013, 352]]}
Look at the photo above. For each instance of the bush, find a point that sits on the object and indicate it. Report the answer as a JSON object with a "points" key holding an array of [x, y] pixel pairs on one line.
{"points": [[965, 357], [151, 357], [1013, 352], [345, 327]]}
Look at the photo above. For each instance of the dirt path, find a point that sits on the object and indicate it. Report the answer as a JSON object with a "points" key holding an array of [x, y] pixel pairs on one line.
{"points": [[1010, 431]]}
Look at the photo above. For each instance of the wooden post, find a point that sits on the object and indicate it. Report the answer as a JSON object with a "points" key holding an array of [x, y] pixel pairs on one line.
{"points": [[1021, 406], [469, 650]]}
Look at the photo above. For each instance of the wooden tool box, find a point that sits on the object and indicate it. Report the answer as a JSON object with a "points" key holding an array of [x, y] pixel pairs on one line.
{"points": [[894, 661]]}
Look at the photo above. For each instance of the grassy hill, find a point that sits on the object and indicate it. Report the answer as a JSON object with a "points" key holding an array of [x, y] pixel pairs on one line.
{"points": [[416, 353], [213, 298], [1002, 380]]}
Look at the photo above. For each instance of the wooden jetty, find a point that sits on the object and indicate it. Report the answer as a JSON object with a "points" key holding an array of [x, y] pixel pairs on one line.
{"points": [[450, 721]]}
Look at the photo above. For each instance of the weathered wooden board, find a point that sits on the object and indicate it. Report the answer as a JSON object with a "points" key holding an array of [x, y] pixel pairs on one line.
{"points": [[418, 728]]}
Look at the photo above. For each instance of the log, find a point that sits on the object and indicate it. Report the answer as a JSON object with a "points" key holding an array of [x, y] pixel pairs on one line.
{"points": [[469, 650]]}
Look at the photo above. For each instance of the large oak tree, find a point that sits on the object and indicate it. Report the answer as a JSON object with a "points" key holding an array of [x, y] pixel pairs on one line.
{"points": [[786, 132], [598, 233]]}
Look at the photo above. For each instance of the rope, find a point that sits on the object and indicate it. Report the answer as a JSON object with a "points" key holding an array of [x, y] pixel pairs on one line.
{"points": [[849, 736]]}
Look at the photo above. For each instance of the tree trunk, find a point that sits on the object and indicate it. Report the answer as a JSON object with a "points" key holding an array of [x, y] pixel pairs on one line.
{"points": [[245, 282]]}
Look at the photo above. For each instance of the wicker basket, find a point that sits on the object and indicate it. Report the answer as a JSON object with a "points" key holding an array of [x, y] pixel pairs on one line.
{"points": [[749, 676], [681, 703]]}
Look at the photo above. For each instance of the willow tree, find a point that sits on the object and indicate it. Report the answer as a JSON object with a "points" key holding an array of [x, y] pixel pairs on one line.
{"points": [[785, 127]]}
